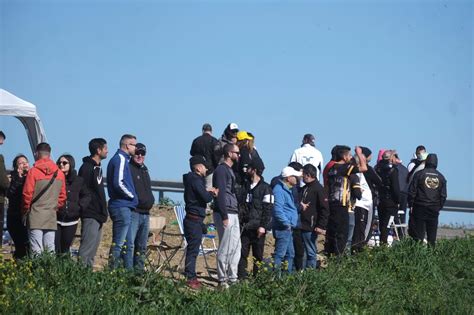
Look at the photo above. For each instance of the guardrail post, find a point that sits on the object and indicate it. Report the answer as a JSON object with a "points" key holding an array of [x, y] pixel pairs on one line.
{"points": [[161, 195]]}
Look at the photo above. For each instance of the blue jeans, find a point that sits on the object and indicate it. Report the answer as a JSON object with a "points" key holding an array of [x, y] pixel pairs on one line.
{"points": [[137, 237], [284, 250], [309, 241], [121, 218]]}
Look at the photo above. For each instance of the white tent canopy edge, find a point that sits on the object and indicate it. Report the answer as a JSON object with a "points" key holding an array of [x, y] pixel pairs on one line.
{"points": [[11, 105]]}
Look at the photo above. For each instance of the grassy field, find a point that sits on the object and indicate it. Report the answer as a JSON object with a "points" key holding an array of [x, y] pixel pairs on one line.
{"points": [[407, 278]]}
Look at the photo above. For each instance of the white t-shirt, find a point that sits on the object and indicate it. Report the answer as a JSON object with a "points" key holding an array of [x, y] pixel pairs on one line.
{"points": [[308, 154]]}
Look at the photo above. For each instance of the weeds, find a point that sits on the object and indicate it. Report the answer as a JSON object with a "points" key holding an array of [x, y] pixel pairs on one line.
{"points": [[407, 278]]}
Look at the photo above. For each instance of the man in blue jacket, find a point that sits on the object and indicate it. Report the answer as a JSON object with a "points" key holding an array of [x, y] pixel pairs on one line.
{"points": [[123, 198], [196, 198], [285, 217]]}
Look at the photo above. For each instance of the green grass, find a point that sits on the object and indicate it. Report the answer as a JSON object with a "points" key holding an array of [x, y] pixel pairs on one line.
{"points": [[407, 278]]}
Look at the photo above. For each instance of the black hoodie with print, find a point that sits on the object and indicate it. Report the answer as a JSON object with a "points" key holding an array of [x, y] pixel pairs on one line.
{"points": [[428, 187]]}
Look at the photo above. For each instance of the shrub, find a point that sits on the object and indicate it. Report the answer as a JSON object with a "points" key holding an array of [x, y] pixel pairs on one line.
{"points": [[407, 278]]}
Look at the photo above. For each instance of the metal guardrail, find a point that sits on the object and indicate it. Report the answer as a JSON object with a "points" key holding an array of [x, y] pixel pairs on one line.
{"points": [[161, 187]]}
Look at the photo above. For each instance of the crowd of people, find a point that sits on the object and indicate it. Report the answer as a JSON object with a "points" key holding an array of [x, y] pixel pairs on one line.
{"points": [[309, 198]]}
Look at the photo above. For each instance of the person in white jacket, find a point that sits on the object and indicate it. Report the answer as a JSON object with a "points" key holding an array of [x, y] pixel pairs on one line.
{"points": [[308, 154]]}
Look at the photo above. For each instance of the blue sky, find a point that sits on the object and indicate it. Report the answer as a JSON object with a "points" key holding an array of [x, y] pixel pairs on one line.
{"points": [[384, 74]]}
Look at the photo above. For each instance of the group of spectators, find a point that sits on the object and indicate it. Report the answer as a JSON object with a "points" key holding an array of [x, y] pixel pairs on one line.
{"points": [[296, 207], [46, 201]]}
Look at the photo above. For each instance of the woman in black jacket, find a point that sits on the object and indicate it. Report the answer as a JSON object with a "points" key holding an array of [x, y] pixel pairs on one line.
{"points": [[77, 199], [15, 226]]}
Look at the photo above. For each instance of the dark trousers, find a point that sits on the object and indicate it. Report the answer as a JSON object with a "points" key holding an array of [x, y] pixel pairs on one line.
{"points": [[19, 235], [358, 237], [249, 240], [425, 222], [193, 234], [337, 231], [2, 222], [298, 245], [384, 216], [64, 238]]}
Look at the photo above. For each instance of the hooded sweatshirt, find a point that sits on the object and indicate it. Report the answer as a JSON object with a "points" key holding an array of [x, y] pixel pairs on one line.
{"points": [[196, 196], [78, 198], [91, 172], [428, 187], [42, 213]]}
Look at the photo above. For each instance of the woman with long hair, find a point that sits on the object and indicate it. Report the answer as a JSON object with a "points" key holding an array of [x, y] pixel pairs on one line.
{"points": [[16, 228], [77, 198]]}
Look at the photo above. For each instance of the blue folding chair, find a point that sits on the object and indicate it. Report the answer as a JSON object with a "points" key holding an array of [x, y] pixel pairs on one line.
{"points": [[204, 251]]}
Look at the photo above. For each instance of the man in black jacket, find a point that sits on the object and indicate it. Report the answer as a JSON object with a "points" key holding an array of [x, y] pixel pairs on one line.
{"points": [[195, 197], [314, 213], [255, 217], [204, 146], [389, 193], [427, 195], [137, 236], [95, 215]]}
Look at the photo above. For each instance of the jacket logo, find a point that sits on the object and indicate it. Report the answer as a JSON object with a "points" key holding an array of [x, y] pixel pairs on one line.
{"points": [[432, 182]]}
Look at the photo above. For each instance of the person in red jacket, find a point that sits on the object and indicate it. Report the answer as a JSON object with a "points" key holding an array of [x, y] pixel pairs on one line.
{"points": [[44, 192]]}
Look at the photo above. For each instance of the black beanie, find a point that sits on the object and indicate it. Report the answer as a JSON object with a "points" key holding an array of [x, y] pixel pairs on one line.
{"points": [[366, 151]]}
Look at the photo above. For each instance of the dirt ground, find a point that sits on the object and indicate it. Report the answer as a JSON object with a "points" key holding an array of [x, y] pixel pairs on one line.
{"points": [[178, 261]]}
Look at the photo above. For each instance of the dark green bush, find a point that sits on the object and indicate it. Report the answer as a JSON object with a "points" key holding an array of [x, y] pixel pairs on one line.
{"points": [[407, 278]]}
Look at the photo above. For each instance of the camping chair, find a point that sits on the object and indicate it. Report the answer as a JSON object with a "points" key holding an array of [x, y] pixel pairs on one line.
{"points": [[398, 226], [159, 253], [180, 213]]}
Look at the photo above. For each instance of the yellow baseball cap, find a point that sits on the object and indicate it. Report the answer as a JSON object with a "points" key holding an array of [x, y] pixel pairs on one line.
{"points": [[243, 135]]}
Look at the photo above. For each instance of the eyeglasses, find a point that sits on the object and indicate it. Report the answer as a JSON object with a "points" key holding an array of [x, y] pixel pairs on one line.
{"points": [[132, 144], [236, 152], [63, 163]]}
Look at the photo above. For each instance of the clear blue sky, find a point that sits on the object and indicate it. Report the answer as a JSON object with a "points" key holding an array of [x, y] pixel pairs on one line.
{"points": [[384, 74]]}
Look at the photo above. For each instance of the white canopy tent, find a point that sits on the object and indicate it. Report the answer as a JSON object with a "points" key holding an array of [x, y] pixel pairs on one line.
{"points": [[11, 105]]}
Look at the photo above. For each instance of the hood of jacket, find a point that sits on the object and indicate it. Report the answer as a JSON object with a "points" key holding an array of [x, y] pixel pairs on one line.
{"points": [[46, 166], [89, 160], [431, 161]]}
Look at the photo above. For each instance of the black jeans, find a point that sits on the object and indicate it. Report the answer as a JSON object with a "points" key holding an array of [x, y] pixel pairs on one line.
{"points": [[425, 222], [337, 231], [358, 237], [299, 249], [19, 235], [249, 240], [193, 234], [384, 216], [64, 238]]}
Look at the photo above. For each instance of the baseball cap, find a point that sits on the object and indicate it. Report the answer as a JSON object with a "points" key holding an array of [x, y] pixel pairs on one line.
{"points": [[140, 148], [243, 135], [233, 127], [289, 171]]}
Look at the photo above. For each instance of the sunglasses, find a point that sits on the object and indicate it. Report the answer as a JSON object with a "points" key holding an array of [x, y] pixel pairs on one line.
{"points": [[140, 153], [63, 163]]}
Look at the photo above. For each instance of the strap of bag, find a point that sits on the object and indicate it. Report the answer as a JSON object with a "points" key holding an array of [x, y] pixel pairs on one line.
{"points": [[41, 193]]}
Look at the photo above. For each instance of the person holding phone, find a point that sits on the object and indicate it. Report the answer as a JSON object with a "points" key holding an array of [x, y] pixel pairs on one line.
{"points": [[15, 226]]}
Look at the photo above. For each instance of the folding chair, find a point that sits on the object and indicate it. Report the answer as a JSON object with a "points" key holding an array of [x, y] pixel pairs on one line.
{"points": [[164, 252], [180, 213], [395, 227]]}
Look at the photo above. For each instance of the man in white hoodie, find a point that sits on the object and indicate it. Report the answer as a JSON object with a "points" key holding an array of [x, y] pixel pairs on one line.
{"points": [[308, 154]]}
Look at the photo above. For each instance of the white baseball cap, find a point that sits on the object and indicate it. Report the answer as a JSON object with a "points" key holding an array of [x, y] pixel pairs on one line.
{"points": [[290, 171]]}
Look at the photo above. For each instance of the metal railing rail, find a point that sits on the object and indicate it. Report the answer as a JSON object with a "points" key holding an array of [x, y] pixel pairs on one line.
{"points": [[161, 187]]}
